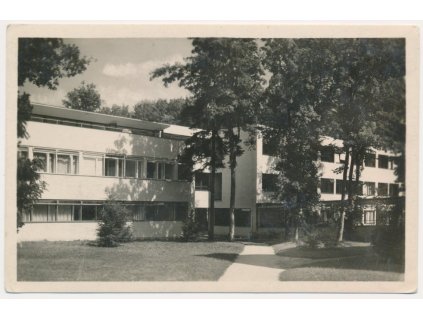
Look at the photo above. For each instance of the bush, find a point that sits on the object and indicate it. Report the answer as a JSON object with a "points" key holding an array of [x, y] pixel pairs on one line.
{"points": [[389, 240], [389, 243], [113, 228], [190, 228]]}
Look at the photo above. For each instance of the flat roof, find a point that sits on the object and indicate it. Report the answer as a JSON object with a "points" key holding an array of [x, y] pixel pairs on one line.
{"points": [[92, 117]]}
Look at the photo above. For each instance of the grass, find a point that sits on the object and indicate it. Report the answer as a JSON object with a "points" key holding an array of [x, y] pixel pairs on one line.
{"points": [[135, 261], [347, 263]]}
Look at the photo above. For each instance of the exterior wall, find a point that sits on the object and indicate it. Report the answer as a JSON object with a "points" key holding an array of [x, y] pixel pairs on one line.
{"points": [[265, 164], [87, 231], [202, 198], [75, 187], [245, 197], [101, 141], [245, 179], [83, 187], [368, 174], [58, 231]]}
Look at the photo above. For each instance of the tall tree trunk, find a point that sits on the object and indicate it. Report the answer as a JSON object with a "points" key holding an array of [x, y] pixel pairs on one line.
{"points": [[340, 236], [233, 141], [212, 187], [349, 187]]}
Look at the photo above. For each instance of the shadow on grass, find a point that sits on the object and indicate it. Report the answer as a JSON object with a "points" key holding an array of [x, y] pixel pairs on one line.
{"points": [[221, 256], [351, 258]]}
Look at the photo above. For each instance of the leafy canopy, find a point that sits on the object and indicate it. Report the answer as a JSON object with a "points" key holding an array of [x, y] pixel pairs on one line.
{"points": [[85, 97]]}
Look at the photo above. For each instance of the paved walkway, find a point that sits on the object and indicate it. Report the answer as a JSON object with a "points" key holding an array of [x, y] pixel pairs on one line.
{"points": [[254, 263]]}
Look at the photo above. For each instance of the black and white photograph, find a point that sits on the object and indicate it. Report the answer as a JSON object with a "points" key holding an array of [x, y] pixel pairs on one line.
{"points": [[188, 158]]}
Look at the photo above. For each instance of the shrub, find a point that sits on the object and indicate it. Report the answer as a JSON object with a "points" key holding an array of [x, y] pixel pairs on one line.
{"points": [[190, 228], [113, 228], [389, 240]]}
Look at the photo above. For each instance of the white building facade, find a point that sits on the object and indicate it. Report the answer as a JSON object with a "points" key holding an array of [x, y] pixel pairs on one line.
{"points": [[90, 157]]}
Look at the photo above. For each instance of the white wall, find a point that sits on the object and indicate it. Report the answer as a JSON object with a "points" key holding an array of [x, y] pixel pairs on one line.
{"points": [[74, 231], [74, 187], [58, 231], [102, 141]]}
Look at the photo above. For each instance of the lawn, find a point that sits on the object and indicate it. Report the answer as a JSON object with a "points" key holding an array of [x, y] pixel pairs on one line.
{"points": [[135, 261], [347, 263]]}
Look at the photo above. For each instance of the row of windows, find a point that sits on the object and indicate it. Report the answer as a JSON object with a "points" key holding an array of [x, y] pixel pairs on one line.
{"points": [[331, 186], [327, 154], [107, 165], [76, 212], [222, 217]]}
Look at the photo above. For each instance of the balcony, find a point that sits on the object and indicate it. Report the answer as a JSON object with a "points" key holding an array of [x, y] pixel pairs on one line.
{"points": [[76, 187]]}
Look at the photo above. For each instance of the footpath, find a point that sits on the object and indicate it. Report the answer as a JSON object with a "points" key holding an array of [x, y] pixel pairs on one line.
{"points": [[254, 263]]}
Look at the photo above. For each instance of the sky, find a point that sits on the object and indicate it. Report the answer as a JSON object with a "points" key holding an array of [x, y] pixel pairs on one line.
{"points": [[120, 69]]}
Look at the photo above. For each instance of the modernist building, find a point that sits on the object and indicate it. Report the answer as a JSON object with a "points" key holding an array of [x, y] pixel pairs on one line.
{"points": [[88, 157]]}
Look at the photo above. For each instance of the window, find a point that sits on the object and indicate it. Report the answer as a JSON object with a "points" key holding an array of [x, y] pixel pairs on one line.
{"points": [[269, 147], [151, 170], [339, 184], [393, 189], [92, 166], [369, 217], [269, 182], [40, 213], [61, 163], [138, 213], [326, 185], [140, 169], [130, 168], [170, 211], [89, 213], [202, 181], [164, 212], [382, 189], [169, 168], [370, 160], [42, 159], [327, 154], [383, 162], [242, 217], [161, 170], [64, 213], [66, 164], [113, 167], [370, 188]]}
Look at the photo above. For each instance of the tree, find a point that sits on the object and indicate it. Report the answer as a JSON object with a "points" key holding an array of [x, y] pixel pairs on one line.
{"points": [[224, 78], [363, 71], [164, 111], [113, 228], [116, 110], [292, 124], [42, 62], [29, 186], [85, 97]]}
